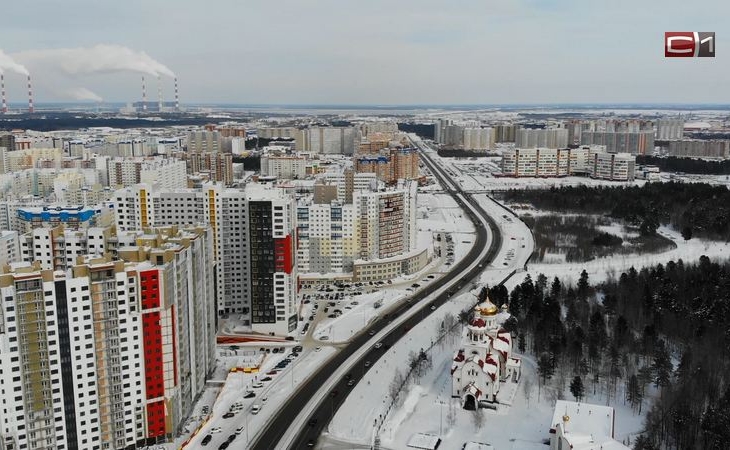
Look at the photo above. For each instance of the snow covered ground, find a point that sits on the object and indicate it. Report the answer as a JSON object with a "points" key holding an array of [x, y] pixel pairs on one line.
{"points": [[601, 268]]}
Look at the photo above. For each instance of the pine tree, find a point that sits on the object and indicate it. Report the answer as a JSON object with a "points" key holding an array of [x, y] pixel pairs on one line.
{"points": [[556, 288], [577, 389], [545, 369], [634, 392], [583, 285], [662, 366]]}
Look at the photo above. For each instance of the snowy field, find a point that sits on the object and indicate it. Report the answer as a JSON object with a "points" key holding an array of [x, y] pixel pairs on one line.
{"points": [[612, 266]]}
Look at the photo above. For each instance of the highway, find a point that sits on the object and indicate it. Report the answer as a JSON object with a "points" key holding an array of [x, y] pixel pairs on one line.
{"points": [[271, 436]]}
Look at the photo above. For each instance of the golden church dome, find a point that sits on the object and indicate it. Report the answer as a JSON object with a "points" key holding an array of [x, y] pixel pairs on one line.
{"points": [[487, 308]]}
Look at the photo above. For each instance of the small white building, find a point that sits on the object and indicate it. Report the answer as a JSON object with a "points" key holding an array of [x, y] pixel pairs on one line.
{"points": [[583, 426], [485, 359]]}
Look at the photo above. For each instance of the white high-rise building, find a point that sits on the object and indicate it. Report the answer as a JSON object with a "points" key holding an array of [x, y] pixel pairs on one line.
{"points": [[112, 351], [331, 140], [543, 138], [669, 129], [238, 218]]}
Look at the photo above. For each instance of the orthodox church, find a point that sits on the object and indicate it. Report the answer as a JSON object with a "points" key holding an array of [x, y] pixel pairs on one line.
{"points": [[484, 360]]}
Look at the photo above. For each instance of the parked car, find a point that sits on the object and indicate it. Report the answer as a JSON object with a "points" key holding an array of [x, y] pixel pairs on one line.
{"points": [[266, 379], [255, 409], [249, 394], [257, 385], [239, 430], [206, 440], [228, 415], [216, 430]]}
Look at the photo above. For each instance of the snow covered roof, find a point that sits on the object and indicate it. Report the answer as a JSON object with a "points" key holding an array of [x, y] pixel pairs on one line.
{"points": [[584, 419], [424, 441], [477, 446]]}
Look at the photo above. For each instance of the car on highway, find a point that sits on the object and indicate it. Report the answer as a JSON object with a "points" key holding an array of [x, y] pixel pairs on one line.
{"points": [[371, 333], [333, 394], [351, 383], [311, 443], [312, 422], [378, 345], [367, 363], [228, 415]]}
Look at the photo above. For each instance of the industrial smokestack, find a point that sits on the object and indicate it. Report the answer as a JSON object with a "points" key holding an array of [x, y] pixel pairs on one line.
{"points": [[177, 97], [30, 97], [2, 88], [144, 95], [159, 93]]}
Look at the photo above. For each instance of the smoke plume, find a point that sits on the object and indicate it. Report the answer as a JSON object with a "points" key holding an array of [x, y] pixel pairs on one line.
{"points": [[101, 58], [8, 63], [82, 94]]}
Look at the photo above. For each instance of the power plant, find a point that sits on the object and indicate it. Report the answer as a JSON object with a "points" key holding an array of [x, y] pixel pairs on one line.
{"points": [[4, 99], [2, 88], [160, 105]]}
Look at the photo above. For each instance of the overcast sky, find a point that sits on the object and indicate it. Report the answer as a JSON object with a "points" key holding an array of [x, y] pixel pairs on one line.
{"points": [[379, 51]]}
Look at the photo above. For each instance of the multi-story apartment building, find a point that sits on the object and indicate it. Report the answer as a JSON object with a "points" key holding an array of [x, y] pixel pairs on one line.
{"points": [[536, 162], [386, 221], [378, 224], [592, 161], [239, 218], [113, 352], [391, 165], [328, 237], [700, 149], [613, 166], [635, 142], [541, 138], [216, 167], [204, 142], [167, 173], [330, 140], [478, 139], [284, 167], [669, 129], [9, 247], [348, 182]]}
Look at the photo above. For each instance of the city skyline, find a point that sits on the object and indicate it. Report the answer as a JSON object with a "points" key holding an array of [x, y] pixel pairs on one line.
{"points": [[408, 53]]}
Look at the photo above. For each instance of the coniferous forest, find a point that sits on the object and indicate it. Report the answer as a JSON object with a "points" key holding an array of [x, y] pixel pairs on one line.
{"points": [[657, 339], [695, 209]]}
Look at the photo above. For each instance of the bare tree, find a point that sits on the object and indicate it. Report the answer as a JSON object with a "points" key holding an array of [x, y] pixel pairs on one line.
{"points": [[527, 389], [451, 414], [396, 385], [478, 418]]}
